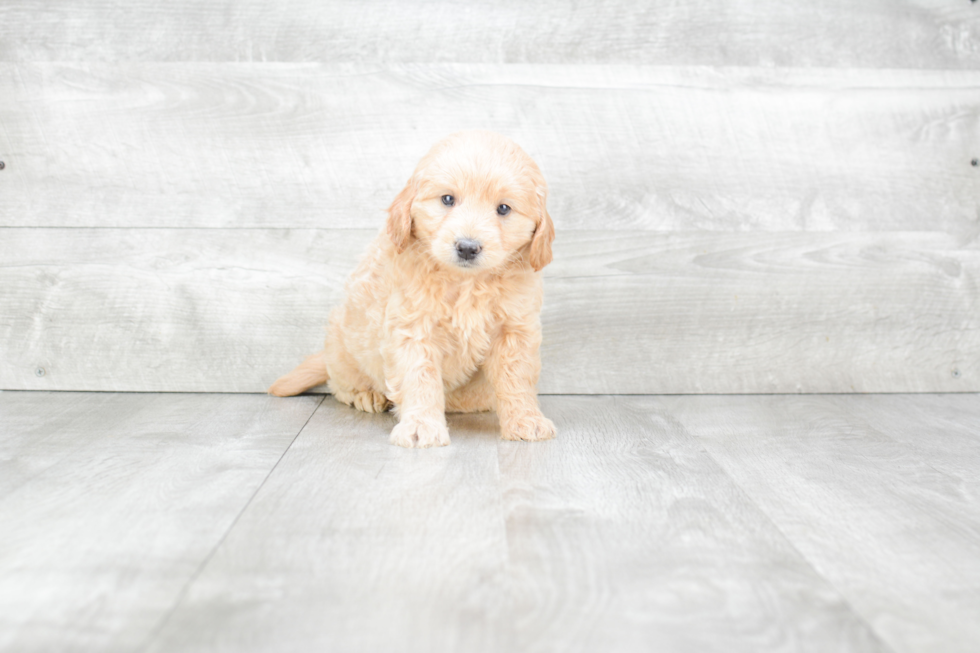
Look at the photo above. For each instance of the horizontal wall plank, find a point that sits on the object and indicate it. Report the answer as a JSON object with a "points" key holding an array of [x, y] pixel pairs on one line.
{"points": [[872, 33], [305, 145], [625, 312]]}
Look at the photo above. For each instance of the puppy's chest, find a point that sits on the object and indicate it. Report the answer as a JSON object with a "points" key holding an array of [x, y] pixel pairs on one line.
{"points": [[468, 324]]}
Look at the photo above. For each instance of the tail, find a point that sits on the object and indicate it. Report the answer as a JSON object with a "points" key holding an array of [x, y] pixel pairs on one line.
{"points": [[311, 372]]}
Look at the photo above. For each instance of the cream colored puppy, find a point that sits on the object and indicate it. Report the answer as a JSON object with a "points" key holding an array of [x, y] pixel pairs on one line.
{"points": [[442, 314]]}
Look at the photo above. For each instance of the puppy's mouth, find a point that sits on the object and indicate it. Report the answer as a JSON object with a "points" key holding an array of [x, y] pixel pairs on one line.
{"points": [[468, 261]]}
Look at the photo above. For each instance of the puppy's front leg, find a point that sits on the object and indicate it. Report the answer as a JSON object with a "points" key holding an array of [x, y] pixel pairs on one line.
{"points": [[419, 395], [513, 366]]}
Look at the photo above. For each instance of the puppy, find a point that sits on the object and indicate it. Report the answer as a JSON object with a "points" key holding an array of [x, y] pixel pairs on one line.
{"points": [[443, 312]]}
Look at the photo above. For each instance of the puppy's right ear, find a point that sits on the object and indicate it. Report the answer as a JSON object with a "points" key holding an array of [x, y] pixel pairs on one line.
{"points": [[544, 235], [400, 217]]}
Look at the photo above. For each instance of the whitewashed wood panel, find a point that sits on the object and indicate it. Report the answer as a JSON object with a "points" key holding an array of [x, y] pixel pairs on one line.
{"points": [[872, 33], [109, 505], [876, 513], [619, 535], [625, 312], [294, 145]]}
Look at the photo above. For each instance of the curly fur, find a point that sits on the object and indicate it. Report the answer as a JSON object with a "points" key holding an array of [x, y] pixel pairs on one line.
{"points": [[427, 331]]}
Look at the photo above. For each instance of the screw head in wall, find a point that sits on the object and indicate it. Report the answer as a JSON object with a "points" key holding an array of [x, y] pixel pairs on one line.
{"points": [[39, 372], [974, 163], [2, 165], [955, 373]]}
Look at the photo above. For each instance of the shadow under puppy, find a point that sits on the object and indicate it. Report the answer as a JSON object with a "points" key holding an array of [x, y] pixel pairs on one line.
{"points": [[443, 312]]}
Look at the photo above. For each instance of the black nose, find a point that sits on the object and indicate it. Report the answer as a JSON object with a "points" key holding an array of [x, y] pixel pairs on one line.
{"points": [[467, 249]]}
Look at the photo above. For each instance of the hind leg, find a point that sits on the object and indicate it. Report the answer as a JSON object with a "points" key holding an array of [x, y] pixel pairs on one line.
{"points": [[476, 396], [349, 385], [367, 400]]}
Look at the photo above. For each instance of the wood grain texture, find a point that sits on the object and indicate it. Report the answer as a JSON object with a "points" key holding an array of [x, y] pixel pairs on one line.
{"points": [[638, 147], [358, 545], [624, 535], [777, 523], [620, 534], [875, 505], [625, 312], [109, 504], [873, 34], [943, 430]]}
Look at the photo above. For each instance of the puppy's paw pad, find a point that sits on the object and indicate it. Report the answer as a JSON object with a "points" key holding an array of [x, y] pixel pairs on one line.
{"points": [[370, 401], [418, 434], [532, 427]]}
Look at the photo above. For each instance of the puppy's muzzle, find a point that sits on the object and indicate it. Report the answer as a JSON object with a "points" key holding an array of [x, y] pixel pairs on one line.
{"points": [[467, 249]]}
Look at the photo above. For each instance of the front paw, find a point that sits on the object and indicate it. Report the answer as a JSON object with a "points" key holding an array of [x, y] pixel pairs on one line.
{"points": [[416, 432], [530, 426]]}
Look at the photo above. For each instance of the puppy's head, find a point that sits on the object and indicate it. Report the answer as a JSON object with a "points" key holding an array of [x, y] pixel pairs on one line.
{"points": [[476, 202]]}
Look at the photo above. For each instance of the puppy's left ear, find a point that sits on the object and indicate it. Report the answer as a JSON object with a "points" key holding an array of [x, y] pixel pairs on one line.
{"points": [[400, 217], [544, 234]]}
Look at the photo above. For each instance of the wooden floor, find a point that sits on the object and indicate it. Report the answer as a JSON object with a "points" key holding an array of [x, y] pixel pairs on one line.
{"points": [[192, 522]]}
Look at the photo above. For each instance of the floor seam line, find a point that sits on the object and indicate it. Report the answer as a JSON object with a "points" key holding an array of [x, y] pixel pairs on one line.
{"points": [[207, 559], [843, 597]]}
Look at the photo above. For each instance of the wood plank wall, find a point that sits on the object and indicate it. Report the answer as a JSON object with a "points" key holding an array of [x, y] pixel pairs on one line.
{"points": [[749, 197]]}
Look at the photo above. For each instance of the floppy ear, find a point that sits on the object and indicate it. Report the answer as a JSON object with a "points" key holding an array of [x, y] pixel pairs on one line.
{"points": [[544, 234], [400, 217]]}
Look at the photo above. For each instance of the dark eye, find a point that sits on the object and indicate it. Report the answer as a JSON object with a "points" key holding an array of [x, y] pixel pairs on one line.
{"points": [[448, 200], [503, 209]]}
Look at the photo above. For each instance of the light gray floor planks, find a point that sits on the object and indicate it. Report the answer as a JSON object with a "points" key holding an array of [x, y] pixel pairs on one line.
{"points": [[624, 535], [778, 523], [880, 493], [110, 503], [624, 147], [943, 430], [619, 536], [628, 312], [872, 33], [355, 544]]}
